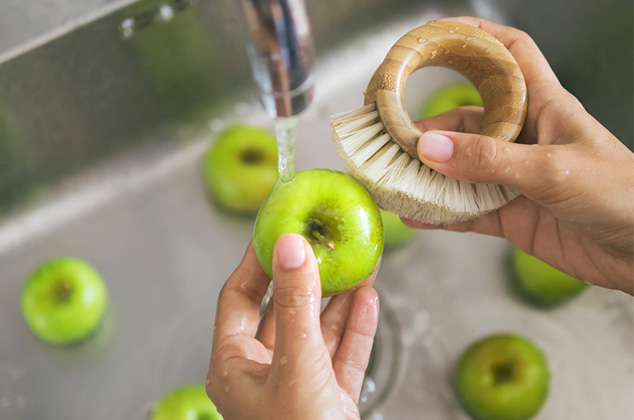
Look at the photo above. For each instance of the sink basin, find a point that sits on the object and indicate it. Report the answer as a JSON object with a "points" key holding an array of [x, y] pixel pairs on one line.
{"points": [[101, 145]]}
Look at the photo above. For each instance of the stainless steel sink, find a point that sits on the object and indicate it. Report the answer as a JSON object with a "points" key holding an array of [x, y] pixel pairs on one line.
{"points": [[101, 140]]}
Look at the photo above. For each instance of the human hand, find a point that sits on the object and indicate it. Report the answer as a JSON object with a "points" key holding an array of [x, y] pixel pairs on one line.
{"points": [[577, 208], [296, 363]]}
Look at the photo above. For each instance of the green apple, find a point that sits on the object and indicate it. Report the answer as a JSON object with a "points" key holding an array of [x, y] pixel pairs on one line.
{"points": [[395, 232], [502, 377], [64, 300], [449, 97], [241, 168], [189, 402], [336, 215], [539, 282]]}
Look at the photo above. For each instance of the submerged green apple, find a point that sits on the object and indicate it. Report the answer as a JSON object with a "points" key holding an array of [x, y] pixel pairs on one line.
{"points": [[241, 167], [64, 300], [335, 214], [449, 97], [189, 402], [539, 282], [502, 377], [395, 232]]}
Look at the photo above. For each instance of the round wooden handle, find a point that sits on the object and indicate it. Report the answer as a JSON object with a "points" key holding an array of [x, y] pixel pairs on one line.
{"points": [[470, 51]]}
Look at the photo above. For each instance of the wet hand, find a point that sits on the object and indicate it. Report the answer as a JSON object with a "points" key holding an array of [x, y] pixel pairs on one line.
{"points": [[295, 362], [577, 208]]}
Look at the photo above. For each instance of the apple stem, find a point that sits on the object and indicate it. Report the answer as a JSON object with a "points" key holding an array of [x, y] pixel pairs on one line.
{"points": [[317, 235], [63, 291]]}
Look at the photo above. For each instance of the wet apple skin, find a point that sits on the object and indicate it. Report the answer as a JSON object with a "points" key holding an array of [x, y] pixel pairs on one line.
{"points": [[340, 210]]}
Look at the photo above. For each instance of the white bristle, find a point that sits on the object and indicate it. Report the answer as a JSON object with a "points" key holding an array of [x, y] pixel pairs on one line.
{"points": [[357, 123], [354, 113], [354, 140], [369, 149], [402, 184], [377, 166]]}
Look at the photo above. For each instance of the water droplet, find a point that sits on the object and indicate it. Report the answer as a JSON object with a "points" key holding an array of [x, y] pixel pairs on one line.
{"points": [[369, 387], [564, 172], [433, 54], [469, 38], [283, 360], [127, 28], [422, 40], [165, 13], [464, 46], [451, 31]]}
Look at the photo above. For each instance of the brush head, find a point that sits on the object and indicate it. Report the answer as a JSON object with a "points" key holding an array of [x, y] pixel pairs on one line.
{"points": [[378, 140], [402, 184]]}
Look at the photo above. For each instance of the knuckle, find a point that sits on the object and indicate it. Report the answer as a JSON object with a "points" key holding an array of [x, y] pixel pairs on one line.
{"points": [[552, 167], [485, 153], [291, 297], [552, 164], [521, 36], [355, 364]]}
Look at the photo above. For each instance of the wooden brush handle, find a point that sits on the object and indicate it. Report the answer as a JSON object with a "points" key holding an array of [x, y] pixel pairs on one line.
{"points": [[470, 51]]}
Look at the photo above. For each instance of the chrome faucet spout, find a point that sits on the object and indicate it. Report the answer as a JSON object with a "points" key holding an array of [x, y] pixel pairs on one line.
{"points": [[280, 48]]}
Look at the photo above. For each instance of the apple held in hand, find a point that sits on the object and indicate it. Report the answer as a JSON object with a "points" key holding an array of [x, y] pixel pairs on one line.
{"points": [[395, 232], [241, 167], [64, 300], [335, 214], [502, 377], [189, 402], [539, 282], [450, 97]]}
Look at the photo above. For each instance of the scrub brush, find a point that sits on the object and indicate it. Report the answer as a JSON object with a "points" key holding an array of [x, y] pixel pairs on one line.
{"points": [[378, 140]]}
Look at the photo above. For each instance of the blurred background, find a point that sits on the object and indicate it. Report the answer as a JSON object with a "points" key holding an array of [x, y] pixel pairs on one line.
{"points": [[106, 109]]}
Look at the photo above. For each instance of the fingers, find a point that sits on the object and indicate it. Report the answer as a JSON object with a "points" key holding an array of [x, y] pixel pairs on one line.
{"points": [[266, 329], [297, 299], [351, 359], [481, 159], [239, 301], [465, 119], [335, 316]]}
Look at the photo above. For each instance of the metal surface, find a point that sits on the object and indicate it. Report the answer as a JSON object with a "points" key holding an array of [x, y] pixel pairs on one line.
{"points": [[280, 48], [139, 213], [31, 23]]}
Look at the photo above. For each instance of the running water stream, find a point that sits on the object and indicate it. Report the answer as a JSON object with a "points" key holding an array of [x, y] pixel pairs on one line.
{"points": [[285, 132]]}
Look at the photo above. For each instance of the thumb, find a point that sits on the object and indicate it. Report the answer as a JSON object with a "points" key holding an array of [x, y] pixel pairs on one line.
{"points": [[480, 159], [297, 298]]}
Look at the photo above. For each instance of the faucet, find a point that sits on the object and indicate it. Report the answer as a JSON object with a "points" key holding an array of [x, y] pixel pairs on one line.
{"points": [[280, 49]]}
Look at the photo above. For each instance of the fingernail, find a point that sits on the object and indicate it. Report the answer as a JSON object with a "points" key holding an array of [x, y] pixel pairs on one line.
{"points": [[436, 147], [290, 251]]}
